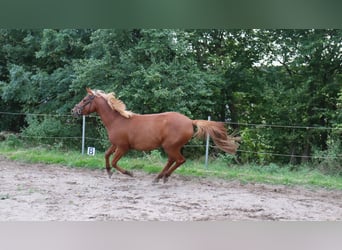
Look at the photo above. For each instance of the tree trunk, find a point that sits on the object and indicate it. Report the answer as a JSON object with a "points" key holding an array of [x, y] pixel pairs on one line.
{"points": [[306, 152]]}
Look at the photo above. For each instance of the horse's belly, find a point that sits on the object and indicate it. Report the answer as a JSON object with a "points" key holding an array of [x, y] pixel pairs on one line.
{"points": [[145, 142]]}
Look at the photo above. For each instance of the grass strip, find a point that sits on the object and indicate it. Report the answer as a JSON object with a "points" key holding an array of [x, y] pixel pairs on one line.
{"points": [[153, 162]]}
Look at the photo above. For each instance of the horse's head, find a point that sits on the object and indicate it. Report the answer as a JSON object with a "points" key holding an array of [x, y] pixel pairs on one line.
{"points": [[85, 106]]}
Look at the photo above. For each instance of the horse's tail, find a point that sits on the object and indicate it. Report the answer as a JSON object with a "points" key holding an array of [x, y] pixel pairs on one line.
{"points": [[218, 133]]}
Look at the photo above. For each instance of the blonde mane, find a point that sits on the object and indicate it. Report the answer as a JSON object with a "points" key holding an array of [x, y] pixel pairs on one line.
{"points": [[114, 103]]}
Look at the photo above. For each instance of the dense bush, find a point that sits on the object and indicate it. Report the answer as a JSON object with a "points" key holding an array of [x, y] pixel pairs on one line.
{"points": [[330, 160], [53, 131]]}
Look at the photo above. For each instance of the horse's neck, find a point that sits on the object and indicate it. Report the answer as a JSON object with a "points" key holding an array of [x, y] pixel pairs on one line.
{"points": [[108, 116]]}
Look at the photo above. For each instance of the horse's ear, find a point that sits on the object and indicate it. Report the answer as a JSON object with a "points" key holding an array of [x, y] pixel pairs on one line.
{"points": [[90, 92]]}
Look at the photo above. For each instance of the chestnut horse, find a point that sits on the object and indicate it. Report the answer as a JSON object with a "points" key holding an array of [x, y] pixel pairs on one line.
{"points": [[170, 130]]}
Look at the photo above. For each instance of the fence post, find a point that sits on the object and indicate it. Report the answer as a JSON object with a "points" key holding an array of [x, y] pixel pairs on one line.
{"points": [[83, 134], [207, 148]]}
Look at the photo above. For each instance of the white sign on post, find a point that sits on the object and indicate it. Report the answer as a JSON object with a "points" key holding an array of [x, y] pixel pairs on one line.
{"points": [[91, 151]]}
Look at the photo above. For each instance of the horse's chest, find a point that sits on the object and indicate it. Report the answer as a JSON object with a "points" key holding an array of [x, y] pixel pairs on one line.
{"points": [[118, 137]]}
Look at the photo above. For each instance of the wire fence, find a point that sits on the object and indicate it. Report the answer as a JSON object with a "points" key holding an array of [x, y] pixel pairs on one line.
{"points": [[258, 125], [255, 125]]}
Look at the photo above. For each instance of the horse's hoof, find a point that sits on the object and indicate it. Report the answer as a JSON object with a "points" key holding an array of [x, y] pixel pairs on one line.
{"points": [[155, 181], [129, 173], [110, 174], [165, 179]]}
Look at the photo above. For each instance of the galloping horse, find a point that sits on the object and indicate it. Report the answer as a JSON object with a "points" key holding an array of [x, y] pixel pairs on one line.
{"points": [[170, 130]]}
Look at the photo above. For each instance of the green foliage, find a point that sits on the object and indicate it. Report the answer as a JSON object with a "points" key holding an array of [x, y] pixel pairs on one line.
{"points": [[50, 131], [12, 141], [329, 161], [227, 158], [254, 142]]}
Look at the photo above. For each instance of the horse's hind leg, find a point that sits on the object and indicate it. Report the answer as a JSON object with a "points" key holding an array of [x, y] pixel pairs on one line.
{"points": [[179, 161], [165, 169], [108, 153], [118, 154], [176, 158]]}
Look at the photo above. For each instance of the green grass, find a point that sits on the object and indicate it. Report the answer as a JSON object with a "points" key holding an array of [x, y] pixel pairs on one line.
{"points": [[153, 163], [43, 155]]}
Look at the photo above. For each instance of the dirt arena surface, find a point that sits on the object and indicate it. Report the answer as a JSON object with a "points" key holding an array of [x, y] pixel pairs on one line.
{"points": [[38, 192]]}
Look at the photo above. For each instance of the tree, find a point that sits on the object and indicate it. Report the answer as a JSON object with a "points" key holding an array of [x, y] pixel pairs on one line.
{"points": [[312, 62]]}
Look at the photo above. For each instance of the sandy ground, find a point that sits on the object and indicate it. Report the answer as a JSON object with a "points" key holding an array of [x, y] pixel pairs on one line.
{"points": [[38, 192]]}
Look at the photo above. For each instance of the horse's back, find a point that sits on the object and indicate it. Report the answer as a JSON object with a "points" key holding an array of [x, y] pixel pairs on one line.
{"points": [[177, 120], [169, 120], [172, 117], [154, 130], [178, 128]]}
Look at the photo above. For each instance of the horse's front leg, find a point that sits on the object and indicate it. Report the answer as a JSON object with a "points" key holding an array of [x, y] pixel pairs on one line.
{"points": [[118, 154], [108, 153]]}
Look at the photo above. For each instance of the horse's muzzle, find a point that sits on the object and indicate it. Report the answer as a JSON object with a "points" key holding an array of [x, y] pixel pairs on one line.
{"points": [[76, 111]]}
